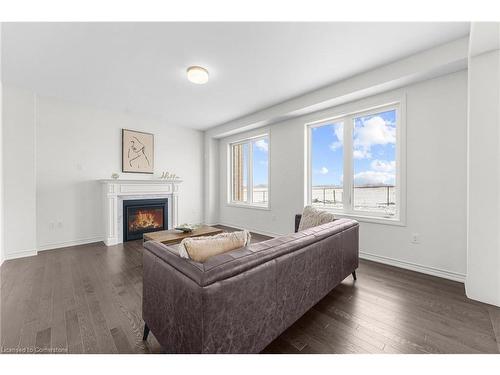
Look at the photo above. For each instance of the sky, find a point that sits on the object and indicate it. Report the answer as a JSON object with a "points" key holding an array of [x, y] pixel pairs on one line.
{"points": [[260, 161], [374, 151]]}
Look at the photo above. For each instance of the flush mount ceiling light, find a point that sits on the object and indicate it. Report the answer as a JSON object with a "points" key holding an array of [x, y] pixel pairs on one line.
{"points": [[197, 74]]}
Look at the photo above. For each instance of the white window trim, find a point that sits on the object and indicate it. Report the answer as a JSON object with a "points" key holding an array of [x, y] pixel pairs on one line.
{"points": [[249, 203], [347, 119]]}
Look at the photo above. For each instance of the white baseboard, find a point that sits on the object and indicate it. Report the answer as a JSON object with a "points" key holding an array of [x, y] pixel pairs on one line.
{"points": [[20, 254], [263, 233], [450, 275], [58, 245]]}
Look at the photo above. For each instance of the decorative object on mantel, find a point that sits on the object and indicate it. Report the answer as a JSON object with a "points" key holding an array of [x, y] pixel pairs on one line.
{"points": [[187, 227], [115, 176], [168, 176], [137, 152]]}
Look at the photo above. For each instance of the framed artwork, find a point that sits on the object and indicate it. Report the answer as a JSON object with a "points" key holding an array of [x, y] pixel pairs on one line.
{"points": [[137, 152]]}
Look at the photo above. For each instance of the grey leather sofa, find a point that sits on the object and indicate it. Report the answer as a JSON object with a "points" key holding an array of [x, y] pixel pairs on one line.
{"points": [[240, 301]]}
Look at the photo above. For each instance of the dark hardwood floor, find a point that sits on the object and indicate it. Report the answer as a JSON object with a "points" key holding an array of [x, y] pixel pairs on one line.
{"points": [[87, 299]]}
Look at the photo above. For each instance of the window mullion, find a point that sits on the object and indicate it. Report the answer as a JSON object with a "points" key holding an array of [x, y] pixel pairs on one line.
{"points": [[231, 173], [348, 166], [250, 173], [309, 166]]}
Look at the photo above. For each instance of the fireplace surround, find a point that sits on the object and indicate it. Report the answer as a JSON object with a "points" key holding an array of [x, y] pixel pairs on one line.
{"points": [[116, 192]]}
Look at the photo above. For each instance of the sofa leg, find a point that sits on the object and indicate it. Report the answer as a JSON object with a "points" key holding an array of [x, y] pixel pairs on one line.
{"points": [[146, 332], [354, 275]]}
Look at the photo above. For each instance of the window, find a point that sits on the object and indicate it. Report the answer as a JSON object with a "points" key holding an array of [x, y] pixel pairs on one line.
{"points": [[327, 157], [354, 164], [249, 161]]}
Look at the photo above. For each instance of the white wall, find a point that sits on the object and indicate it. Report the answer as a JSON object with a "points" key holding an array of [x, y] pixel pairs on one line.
{"points": [[2, 247], [483, 252], [75, 147], [436, 180], [19, 172], [2, 250], [211, 181]]}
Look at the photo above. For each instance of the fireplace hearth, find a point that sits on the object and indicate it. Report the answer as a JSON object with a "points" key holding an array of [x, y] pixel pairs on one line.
{"points": [[143, 216]]}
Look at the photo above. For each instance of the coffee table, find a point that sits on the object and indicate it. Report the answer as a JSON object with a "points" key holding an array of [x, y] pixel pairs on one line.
{"points": [[173, 236]]}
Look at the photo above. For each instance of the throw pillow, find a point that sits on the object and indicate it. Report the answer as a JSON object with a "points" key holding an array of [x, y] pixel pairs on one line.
{"points": [[200, 249], [312, 217]]}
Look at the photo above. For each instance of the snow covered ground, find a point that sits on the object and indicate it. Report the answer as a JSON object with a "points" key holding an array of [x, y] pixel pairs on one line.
{"points": [[370, 198]]}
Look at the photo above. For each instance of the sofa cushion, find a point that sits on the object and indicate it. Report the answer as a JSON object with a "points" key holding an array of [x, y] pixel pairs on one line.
{"points": [[312, 217], [200, 249]]}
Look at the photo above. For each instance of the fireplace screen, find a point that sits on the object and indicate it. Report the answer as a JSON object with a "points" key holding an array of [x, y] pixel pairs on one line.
{"points": [[143, 216], [140, 219]]}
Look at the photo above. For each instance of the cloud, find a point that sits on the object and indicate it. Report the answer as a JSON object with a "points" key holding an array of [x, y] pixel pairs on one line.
{"points": [[322, 170], [383, 166], [374, 178], [262, 145], [361, 154], [382, 173], [338, 130], [375, 131], [335, 145]]}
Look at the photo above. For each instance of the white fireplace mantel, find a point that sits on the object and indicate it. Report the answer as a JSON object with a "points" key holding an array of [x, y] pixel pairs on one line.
{"points": [[116, 191]]}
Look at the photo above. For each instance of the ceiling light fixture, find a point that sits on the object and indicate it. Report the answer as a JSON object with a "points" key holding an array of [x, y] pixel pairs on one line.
{"points": [[197, 74]]}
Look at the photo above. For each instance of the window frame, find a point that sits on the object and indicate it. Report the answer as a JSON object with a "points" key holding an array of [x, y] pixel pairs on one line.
{"points": [[249, 203], [348, 183]]}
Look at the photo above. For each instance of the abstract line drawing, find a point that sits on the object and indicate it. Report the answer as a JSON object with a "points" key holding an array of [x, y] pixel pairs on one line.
{"points": [[137, 152]]}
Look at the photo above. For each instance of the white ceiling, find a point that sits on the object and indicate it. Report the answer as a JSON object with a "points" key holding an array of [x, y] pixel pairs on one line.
{"points": [[140, 67]]}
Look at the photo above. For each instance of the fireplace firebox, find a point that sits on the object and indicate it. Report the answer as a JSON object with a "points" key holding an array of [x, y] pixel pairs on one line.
{"points": [[143, 216]]}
